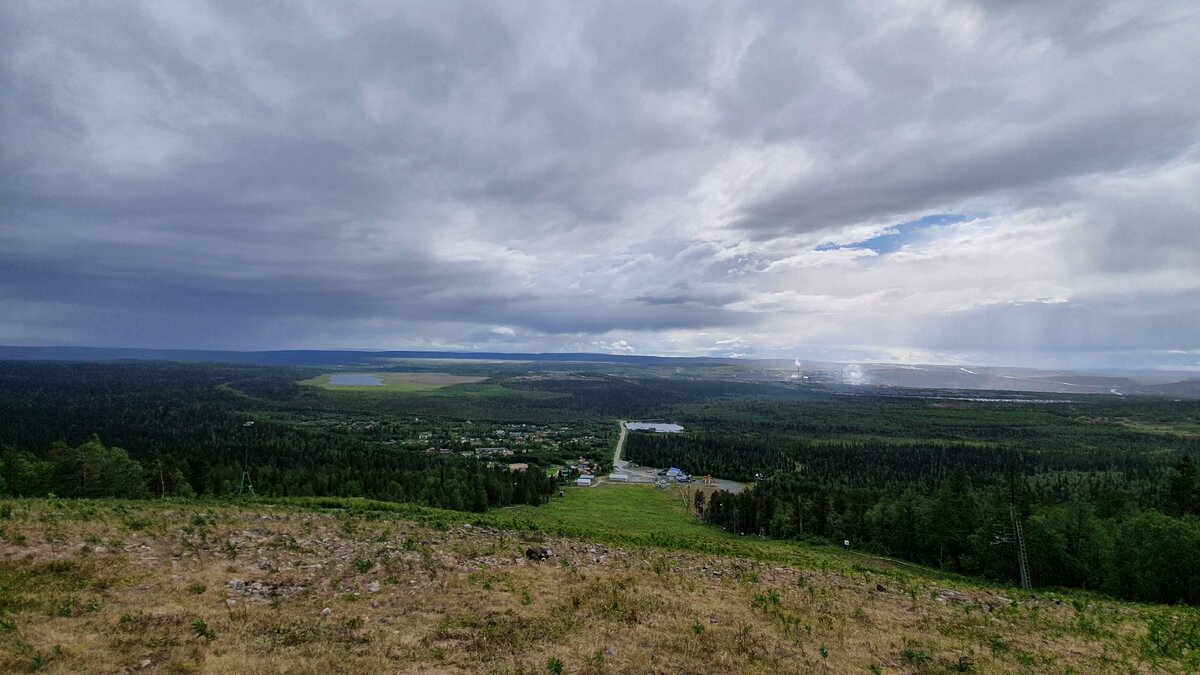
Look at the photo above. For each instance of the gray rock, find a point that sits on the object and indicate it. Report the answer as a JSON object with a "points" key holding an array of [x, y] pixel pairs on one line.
{"points": [[538, 553]]}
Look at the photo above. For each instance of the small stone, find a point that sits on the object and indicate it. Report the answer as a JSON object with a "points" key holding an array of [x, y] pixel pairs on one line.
{"points": [[236, 584], [145, 663], [326, 612], [373, 587]]}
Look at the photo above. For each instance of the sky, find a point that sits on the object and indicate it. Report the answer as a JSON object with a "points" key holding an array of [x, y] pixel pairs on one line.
{"points": [[1004, 183]]}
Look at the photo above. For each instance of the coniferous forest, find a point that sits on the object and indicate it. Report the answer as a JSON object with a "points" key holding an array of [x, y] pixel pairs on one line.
{"points": [[184, 430], [1106, 492], [1105, 488]]}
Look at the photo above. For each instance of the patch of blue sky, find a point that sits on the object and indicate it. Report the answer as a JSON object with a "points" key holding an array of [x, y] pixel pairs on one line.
{"points": [[897, 236]]}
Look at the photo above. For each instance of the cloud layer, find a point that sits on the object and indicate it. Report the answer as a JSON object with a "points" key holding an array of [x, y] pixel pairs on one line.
{"points": [[928, 181]]}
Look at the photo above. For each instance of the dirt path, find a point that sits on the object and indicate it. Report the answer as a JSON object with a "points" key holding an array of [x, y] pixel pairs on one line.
{"points": [[619, 463]]}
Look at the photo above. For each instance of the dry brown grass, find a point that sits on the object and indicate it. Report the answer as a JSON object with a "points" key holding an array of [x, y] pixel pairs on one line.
{"points": [[112, 587]]}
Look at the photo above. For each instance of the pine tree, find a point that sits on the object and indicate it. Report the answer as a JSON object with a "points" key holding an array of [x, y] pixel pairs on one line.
{"points": [[1181, 491]]}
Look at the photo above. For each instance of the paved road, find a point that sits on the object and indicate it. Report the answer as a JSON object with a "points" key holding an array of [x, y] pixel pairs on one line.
{"points": [[649, 474]]}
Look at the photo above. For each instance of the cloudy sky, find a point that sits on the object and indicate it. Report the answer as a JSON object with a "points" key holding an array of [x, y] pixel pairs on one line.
{"points": [[943, 182]]}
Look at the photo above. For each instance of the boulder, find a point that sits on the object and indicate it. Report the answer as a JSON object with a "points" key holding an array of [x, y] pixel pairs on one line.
{"points": [[537, 553]]}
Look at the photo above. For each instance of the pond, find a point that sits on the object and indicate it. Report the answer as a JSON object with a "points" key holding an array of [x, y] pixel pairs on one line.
{"points": [[662, 427], [356, 379]]}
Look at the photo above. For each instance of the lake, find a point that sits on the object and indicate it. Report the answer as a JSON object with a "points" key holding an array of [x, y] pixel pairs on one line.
{"points": [[662, 427], [356, 380]]}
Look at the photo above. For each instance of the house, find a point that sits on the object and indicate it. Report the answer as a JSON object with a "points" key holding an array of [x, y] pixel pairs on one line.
{"points": [[673, 472], [519, 467], [491, 451], [618, 477], [584, 481]]}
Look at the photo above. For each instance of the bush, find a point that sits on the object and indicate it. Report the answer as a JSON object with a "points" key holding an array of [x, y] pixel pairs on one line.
{"points": [[201, 629]]}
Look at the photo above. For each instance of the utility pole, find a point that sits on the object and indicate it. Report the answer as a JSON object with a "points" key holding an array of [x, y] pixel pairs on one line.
{"points": [[1022, 559]]}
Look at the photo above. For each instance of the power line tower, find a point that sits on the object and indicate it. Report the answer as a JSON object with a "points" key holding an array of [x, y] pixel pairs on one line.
{"points": [[1017, 539], [245, 487], [1022, 559]]}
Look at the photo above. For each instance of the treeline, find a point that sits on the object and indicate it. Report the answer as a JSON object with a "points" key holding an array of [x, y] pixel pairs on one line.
{"points": [[92, 470], [1087, 425], [869, 463], [1110, 544], [88, 470], [879, 463], [622, 396]]}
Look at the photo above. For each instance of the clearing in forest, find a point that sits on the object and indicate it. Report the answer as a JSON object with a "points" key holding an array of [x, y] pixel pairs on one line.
{"points": [[389, 381]]}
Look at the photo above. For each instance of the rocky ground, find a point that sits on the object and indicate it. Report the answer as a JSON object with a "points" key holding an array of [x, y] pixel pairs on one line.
{"points": [[122, 587]]}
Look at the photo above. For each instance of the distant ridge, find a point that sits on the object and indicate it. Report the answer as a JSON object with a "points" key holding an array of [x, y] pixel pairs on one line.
{"points": [[328, 357], [872, 376]]}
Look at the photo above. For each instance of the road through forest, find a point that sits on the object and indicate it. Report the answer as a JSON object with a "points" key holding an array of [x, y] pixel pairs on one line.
{"points": [[648, 474]]}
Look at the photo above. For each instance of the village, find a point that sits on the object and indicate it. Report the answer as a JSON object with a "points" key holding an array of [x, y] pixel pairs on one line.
{"points": [[573, 455]]}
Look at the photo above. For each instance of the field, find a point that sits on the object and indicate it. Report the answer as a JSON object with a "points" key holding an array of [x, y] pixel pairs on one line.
{"points": [[642, 515], [1189, 430], [395, 382], [316, 586]]}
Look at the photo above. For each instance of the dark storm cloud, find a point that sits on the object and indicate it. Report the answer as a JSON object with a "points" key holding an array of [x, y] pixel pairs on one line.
{"points": [[916, 178], [1042, 95], [553, 175]]}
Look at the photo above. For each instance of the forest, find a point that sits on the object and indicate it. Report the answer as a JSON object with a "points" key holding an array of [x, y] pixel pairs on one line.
{"points": [[183, 428], [1106, 492], [1109, 544], [1104, 488]]}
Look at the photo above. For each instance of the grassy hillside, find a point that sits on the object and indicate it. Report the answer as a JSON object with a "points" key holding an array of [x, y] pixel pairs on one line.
{"points": [[634, 585]]}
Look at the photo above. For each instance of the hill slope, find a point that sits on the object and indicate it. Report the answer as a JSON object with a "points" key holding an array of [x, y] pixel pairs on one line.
{"points": [[319, 585]]}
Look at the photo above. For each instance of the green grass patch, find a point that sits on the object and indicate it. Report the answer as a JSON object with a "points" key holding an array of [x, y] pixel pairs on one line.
{"points": [[25, 585], [642, 515], [1180, 429]]}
